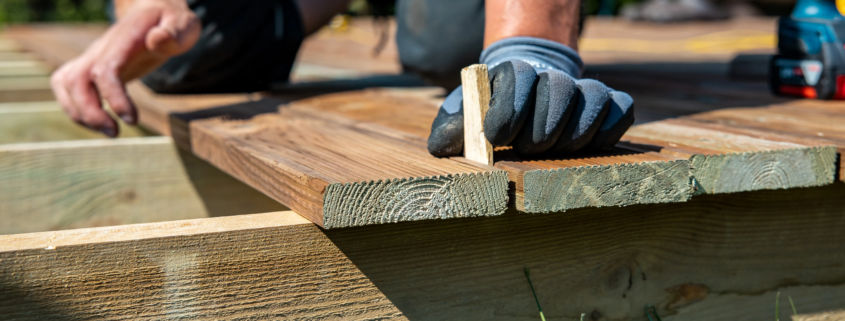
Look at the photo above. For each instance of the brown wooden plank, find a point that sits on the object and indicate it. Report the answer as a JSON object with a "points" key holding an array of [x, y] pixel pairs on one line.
{"points": [[717, 257], [724, 162], [552, 185], [339, 172], [476, 102], [753, 129]]}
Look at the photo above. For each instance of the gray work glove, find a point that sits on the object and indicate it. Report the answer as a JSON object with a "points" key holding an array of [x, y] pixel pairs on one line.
{"points": [[538, 104]]}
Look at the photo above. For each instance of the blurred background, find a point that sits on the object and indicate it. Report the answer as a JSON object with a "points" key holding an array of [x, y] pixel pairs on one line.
{"points": [[21, 11]]}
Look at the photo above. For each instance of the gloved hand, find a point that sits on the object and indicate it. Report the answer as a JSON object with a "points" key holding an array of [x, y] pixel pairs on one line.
{"points": [[538, 104]]}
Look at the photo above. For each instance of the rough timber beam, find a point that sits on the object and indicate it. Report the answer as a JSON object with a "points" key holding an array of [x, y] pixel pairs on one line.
{"points": [[100, 182], [31, 122], [708, 259]]}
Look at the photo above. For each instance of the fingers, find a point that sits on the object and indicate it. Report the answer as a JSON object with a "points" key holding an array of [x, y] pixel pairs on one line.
{"points": [[619, 118], [85, 100], [447, 130], [57, 81], [592, 107], [110, 87], [555, 100], [78, 96], [512, 86], [174, 34]]}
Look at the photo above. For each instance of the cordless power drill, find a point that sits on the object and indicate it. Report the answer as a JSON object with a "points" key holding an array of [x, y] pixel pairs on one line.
{"points": [[811, 52]]}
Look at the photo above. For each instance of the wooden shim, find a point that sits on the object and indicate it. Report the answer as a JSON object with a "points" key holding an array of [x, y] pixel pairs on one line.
{"points": [[617, 179], [476, 90], [727, 163], [339, 173], [45, 121], [99, 182], [693, 261]]}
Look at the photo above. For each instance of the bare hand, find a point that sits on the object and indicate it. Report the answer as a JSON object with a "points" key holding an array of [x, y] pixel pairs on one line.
{"points": [[147, 33]]}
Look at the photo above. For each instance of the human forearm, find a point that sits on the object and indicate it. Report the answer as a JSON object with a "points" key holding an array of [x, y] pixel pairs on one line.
{"points": [[555, 20]]}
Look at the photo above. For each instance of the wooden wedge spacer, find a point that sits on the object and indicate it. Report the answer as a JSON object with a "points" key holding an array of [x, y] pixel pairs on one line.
{"points": [[476, 90]]}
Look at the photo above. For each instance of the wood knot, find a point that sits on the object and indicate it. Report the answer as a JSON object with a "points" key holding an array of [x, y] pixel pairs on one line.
{"points": [[127, 195], [617, 282]]}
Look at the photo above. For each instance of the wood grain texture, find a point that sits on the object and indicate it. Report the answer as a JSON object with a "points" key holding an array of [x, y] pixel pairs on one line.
{"points": [[266, 266], [723, 162], [798, 122], [813, 303], [476, 90], [694, 261], [161, 113], [615, 179], [618, 179], [339, 172], [73, 184], [45, 121]]}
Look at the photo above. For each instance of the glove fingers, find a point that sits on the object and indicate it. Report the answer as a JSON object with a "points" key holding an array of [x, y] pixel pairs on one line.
{"points": [[447, 130], [591, 109], [511, 84], [553, 106], [619, 118]]}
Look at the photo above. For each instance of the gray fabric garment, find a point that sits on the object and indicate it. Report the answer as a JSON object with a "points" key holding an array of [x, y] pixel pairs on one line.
{"points": [[540, 53], [436, 38], [244, 47]]}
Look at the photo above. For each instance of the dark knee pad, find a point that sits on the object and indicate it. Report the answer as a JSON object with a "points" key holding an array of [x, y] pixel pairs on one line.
{"points": [[244, 47], [436, 38]]}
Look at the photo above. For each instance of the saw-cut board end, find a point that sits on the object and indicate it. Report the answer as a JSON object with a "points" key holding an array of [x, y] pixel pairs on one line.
{"points": [[476, 90]]}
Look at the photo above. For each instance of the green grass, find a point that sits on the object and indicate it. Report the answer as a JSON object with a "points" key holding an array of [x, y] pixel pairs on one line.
{"points": [[23, 11]]}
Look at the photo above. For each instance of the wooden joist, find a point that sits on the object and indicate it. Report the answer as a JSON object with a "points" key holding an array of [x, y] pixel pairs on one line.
{"points": [[30, 122], [278, 265], [245, 266], [29, 88], [100, 182]]}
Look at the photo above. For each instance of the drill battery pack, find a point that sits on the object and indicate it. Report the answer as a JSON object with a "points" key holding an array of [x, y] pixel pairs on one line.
{"points": [[811, 59]]}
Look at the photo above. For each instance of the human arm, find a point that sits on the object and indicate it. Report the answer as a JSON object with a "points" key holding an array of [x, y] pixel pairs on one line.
{"points": [[145, 35], [539, 103]]}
